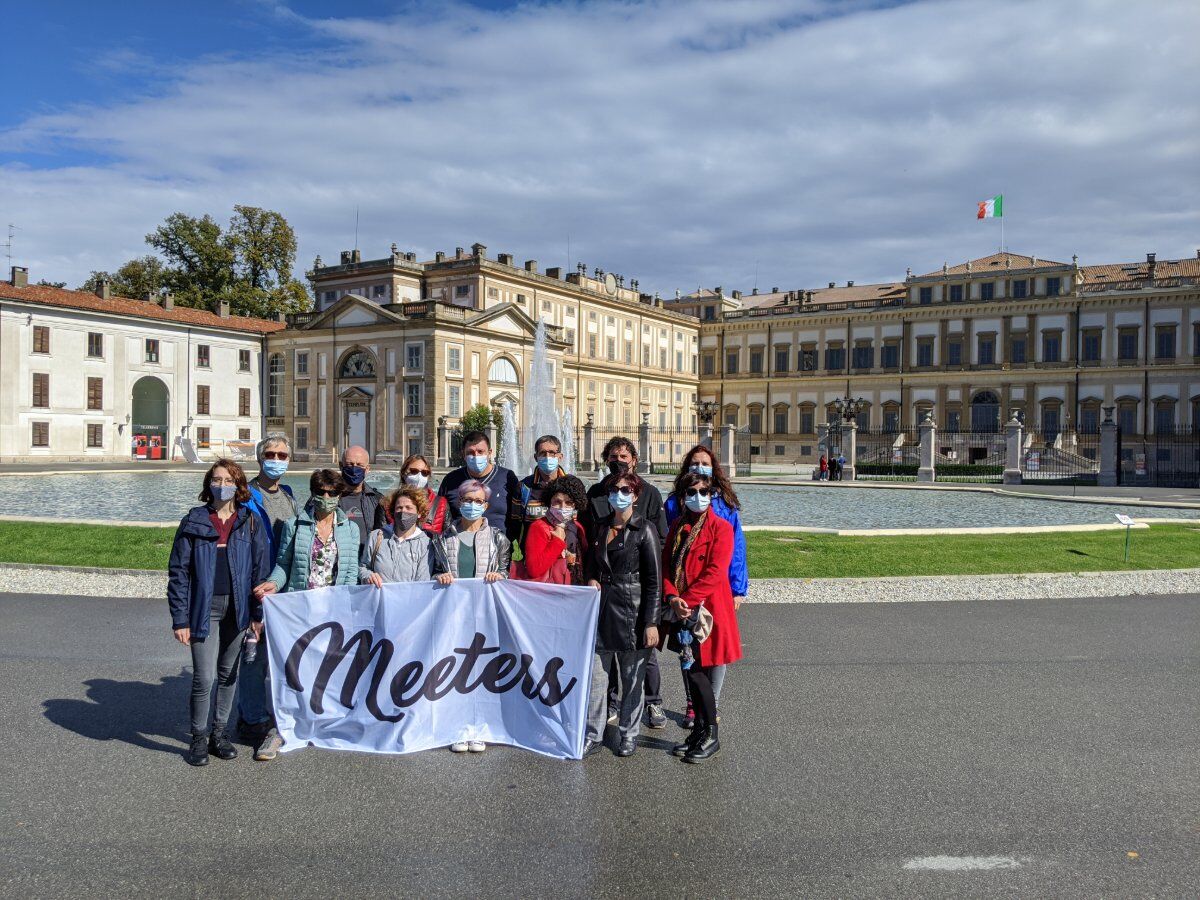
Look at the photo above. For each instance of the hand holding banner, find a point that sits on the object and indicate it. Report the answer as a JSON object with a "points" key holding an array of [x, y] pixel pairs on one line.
{"points": [[409, 667]]}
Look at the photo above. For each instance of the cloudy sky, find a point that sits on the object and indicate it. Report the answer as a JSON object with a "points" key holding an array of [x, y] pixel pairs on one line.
{"points": [[679, 143]]}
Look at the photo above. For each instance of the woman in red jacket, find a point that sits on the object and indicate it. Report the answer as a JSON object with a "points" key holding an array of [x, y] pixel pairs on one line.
{"points": [[415, 472], [555, 544], [696, 558]]}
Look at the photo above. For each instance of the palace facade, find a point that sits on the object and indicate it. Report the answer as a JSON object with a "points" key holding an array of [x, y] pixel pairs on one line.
{"points": [[1051, 342], [396, 345]]}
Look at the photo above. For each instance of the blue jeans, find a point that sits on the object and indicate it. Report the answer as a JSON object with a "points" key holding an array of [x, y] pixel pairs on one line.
{"points": [[254, 687]]}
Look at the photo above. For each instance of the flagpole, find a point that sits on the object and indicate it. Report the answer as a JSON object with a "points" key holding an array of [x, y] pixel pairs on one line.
{"points": [[1002, 223]]}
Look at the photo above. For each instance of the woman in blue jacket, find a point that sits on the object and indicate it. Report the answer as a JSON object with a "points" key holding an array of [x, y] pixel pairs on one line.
{"points": [[725, 504], [220, 552]]}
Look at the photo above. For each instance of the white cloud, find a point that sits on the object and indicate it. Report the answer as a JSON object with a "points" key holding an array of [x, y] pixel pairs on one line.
{"points": [[679, 144]]}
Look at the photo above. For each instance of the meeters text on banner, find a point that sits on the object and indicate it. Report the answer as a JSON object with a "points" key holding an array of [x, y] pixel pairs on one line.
{"points": [[409, 667]]}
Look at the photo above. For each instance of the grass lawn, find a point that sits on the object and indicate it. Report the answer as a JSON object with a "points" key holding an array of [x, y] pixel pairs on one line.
{"points": [[773, 554]]}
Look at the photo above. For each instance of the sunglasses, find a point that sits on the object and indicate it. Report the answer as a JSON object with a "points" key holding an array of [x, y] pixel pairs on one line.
{"points": [[327, 492], [624, 491], [275, 454], [424, 472], [698, 492]]}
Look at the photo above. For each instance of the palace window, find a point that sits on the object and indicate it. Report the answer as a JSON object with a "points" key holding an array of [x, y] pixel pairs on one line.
{"points": [[781, 359], [301, 437], [358, 364], [502, 371], [808, 414], [889, 355], [203, 356], [202, 406], [41, 339], [243, 401], [40, 436], [301, 362], [956, 293], [275, 385], [1053, 286], [924, 352], [710, 364], [954, 353], [1127, 416], [1164, 416], [95, 436], [454, 360], [454, 400], [302, 402], [808, 358], [864, 355], [756, 361], [1164, 342], [95, 393], [1020, 289], [835, 358], [987, 349], [925, 296], [412, 400], [414, 357], [1091, 345], [1127, 344], [987, 290], [203, 437], [41, 390], [95, 348], [1016, 349], [1051, 346], [781, 420], [731, 362], [151, 350]]}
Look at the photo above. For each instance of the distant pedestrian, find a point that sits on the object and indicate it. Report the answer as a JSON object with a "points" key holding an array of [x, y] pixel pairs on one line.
{"points": [[219, 553], [823, 468], [403, 553], [415, 472], [362, 504], [841, 467]]}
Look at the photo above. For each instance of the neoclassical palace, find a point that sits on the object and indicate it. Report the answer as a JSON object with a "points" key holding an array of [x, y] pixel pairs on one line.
{"points": [[1054, 343], [395, 345]]}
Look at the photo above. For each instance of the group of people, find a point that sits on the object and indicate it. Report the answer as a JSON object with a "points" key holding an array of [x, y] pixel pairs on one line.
{"points": [[671, 575], [830, 468]]}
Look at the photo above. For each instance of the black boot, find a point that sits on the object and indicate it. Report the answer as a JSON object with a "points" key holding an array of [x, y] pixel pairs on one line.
{"points": [[692, 740], [219, 746], [707, 746], [197, 754]]}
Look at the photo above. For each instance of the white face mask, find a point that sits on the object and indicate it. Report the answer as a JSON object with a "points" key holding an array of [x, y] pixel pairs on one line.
{"points": [[417, 481]]}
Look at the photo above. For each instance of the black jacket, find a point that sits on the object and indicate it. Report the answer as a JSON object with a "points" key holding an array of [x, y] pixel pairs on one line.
{"points": [[366, 511], [628, 570], [649, 505]]}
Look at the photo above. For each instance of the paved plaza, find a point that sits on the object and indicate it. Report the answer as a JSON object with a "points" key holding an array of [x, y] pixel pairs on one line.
{"points": [[952, 749]]}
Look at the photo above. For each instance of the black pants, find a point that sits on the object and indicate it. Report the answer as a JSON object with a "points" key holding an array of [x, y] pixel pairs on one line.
{"points": [[653, 683], [700, 685]]}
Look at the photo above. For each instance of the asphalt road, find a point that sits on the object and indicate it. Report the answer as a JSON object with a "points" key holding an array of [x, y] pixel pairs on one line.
{"points": [[869, 750]]}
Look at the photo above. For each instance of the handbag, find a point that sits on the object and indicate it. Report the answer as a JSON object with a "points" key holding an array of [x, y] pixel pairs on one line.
{"points": [[700, 629]]}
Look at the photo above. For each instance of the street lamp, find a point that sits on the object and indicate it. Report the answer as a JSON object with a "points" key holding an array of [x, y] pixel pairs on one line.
{"points": [[706, 411], [848, 408]]}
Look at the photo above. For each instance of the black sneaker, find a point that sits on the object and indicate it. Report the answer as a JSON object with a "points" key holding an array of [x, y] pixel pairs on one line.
{"points": [[219, 746], [627, 747], [197, 754], [253, 734], [655, 718]]}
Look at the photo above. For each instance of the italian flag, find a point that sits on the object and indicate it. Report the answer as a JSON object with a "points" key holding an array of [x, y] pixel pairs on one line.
{"points": [[991, 209]]}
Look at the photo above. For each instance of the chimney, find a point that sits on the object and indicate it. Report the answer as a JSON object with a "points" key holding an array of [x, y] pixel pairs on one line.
{"points": [[833, 284], [531, 265], [440, 256], [223, 309], [460, 253], [737, 295], [479, 251], [717, 290], [148, 296], [356, 256], [347, 257], [505, 259], [103, 289], [20, 275], [754, 292], [279, 316], [554, 272], [168, 300], [849, 284], [774, 290], [1151, 263]]}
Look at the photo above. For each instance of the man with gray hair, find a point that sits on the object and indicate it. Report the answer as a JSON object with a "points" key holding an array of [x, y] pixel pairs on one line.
{"points": [[362, 504], [274, 504]]}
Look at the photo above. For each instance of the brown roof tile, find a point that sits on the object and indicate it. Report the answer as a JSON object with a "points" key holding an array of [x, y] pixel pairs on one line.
{"points": [[995, 263], [141, 309], [1140, 271]]}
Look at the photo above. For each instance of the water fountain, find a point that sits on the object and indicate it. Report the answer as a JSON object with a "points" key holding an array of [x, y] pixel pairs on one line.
{"points": [[510, 456], [568, 440]]}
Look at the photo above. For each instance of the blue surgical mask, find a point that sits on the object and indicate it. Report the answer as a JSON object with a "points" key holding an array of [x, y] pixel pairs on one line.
{"points": [[274, 468], [697, 503], [548, 465], [617, 500], [472, 511], [222, 493], [477, 464], [354, 475], [706, 471]]}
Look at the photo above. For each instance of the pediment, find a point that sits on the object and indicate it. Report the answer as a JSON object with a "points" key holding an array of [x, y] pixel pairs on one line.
{"points": [[352, 311], [356, 393], [507, 318]]}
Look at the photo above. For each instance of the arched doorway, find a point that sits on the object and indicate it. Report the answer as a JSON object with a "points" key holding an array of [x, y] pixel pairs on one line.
{"points": [[151, 407], [985, 413]]}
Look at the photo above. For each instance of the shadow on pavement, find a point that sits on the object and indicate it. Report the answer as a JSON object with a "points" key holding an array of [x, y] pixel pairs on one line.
{"points": [[135, 712]]}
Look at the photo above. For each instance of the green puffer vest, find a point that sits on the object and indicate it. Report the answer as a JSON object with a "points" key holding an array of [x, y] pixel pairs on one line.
{"points": [[295, 551]]}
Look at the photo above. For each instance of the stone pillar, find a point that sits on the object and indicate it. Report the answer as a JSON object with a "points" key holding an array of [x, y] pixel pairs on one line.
{"points": [[443, 443], [822, 441], [928, 468], [491, 433], [1109, 457], [588, 463], [644, 459], [849, 448], [728, 436], [1013, 449], [706, 435]]}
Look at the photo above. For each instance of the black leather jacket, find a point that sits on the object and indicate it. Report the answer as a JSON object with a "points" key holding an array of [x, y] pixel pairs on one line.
{"points": [[628, 570]]}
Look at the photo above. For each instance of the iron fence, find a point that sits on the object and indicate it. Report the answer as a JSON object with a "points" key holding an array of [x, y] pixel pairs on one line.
{"points": [[1064, 457], [1167, 458], [887, 454], [970, 456]]}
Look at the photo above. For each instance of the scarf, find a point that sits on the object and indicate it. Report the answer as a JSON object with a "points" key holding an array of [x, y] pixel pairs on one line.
{"points": [[680, 548]]}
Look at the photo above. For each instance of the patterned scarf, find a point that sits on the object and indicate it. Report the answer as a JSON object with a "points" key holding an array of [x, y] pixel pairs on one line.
{"points": [[680, 548]]}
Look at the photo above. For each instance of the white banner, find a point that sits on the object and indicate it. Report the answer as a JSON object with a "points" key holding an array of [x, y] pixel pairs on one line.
{"points": [[413, 666]]}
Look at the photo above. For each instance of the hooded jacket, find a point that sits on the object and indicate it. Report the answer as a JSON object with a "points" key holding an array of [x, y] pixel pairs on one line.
{"points": [[193, 564]]}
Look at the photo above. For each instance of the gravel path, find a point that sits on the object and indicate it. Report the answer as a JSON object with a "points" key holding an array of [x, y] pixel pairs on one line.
{"points": [[126, 583]]}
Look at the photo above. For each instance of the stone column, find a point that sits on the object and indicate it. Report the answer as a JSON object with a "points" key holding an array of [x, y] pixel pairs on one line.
{"points": [[443, 443], [491, 433], [849, 448], [928, 468], [705, 435], [1109, 457], [822, 441], [728, 436], [644, 459], [588, 463], [1013, 450]]}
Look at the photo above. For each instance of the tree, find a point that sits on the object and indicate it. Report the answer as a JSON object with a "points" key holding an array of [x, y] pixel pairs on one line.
{"points": [[137, 278], [477, 418], [199, 260], [263, 247], [54, 284]]}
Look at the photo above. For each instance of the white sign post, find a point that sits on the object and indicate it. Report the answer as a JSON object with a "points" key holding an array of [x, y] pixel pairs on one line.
{"points": [[1128, 523]]}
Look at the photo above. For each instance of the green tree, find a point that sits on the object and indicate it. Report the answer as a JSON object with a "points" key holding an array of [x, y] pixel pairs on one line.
{"points": [[138, 277], [477, 418], [54, 284], [263, 246], [199, 261]]}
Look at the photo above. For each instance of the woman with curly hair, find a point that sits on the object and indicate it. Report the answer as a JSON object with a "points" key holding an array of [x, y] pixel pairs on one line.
{"points": [[555, 543], [405, 554]]}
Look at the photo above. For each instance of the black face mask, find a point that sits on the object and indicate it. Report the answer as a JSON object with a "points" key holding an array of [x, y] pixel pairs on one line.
{"points": [[617, 467]]}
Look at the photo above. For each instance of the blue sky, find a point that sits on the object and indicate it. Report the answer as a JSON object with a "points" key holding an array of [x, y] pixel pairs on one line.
{"points": [[680, 143]]}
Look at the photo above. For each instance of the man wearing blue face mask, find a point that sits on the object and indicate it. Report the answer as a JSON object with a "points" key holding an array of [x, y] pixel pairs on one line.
{"points": [[547, 471], [502, 482], [362, 504]]}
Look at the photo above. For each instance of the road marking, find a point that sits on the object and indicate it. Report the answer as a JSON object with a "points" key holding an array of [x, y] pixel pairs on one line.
{"points": [[964, 863]]}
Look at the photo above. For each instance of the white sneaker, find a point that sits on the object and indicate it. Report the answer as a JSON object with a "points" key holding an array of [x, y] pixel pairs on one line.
{"points": [[476, 746], [458, 747]]}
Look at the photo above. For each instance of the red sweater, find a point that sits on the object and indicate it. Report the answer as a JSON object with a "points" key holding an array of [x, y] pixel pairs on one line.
{"points": [[707, 576], [543, 547]]}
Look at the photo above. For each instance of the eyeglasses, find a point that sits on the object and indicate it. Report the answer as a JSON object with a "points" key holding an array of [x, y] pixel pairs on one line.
{"points": [[698, 492], [327, 492], [275, 454], [227, 482], [624, 491], [425, 472]]}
